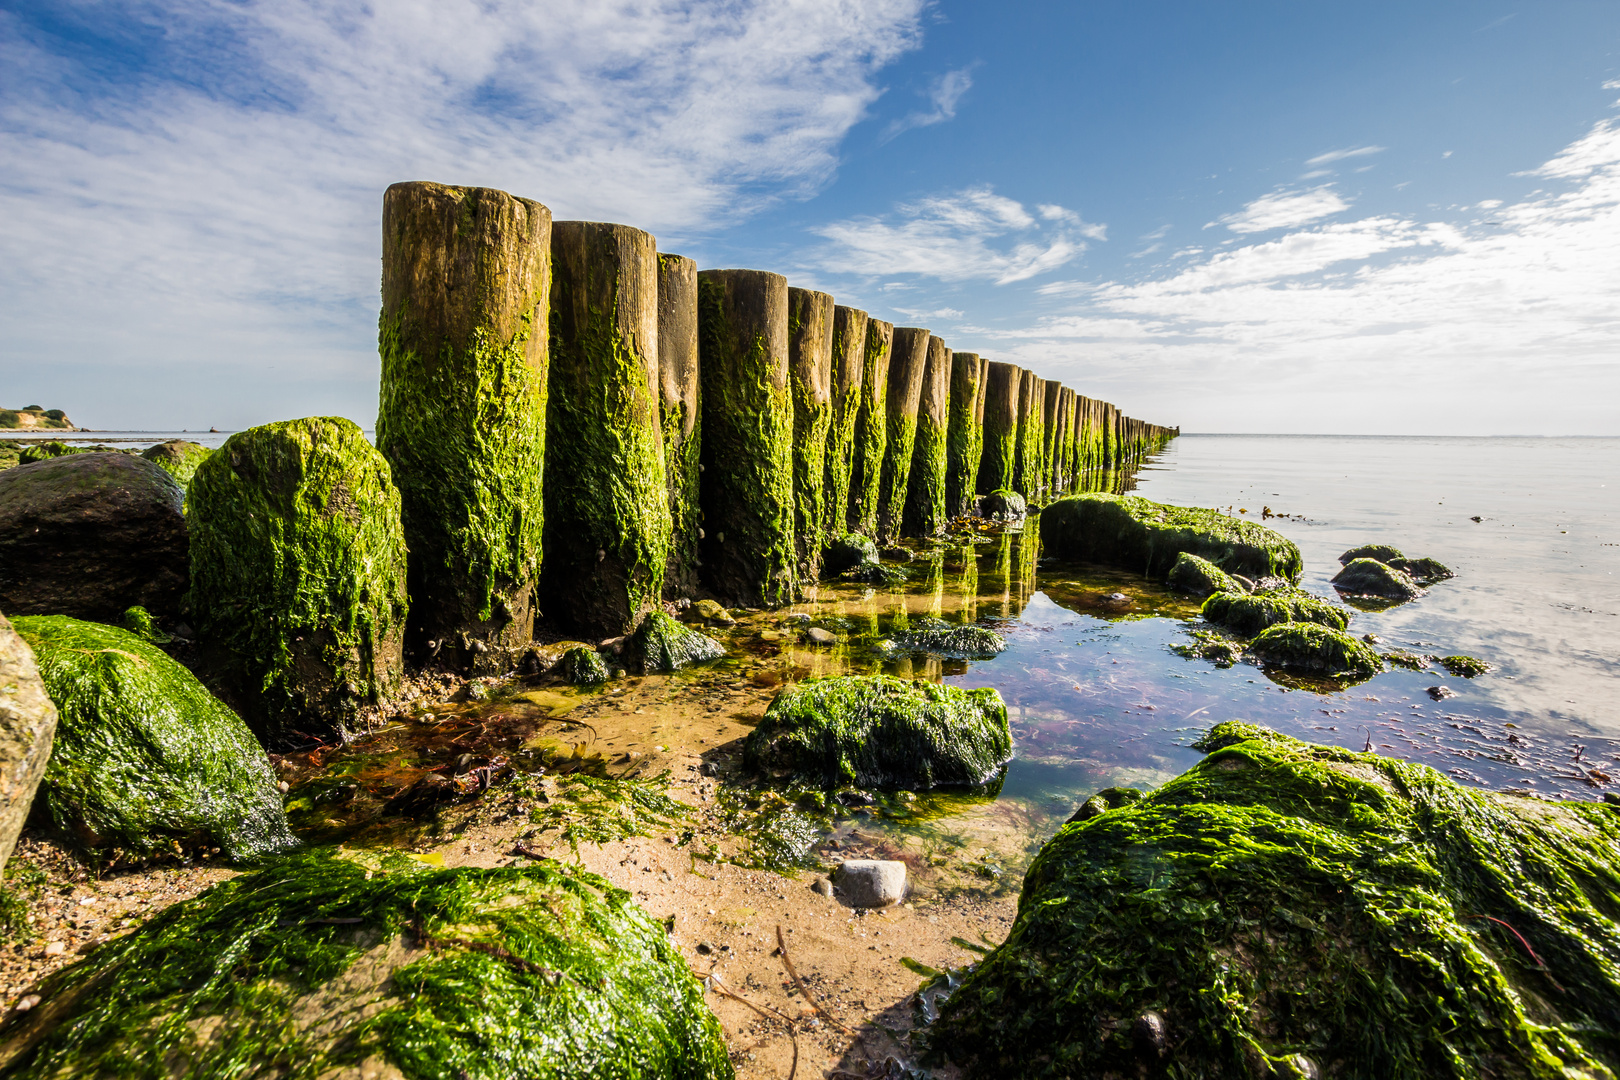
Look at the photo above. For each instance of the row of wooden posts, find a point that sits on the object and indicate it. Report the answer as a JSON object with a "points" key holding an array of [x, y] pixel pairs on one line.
{"points": [[580, 425]]}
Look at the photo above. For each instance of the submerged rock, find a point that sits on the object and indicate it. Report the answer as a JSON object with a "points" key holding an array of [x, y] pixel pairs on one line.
{"points": [[1369, 577], [1249, 615], [319, 966], [877, 731], [1200, 577], [1319, 649], [1424, 571], [662, 644], [849, 552], [1003, 505], [1283, 904], [298, 573], [88, 535], [145, 757], [1464, 667], [1147, 537], [957, 642], [1380, 552], [27, 726], [177, 457]]}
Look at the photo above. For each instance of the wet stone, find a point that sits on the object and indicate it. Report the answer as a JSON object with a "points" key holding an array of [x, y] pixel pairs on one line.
{"points": [[871, 883]]}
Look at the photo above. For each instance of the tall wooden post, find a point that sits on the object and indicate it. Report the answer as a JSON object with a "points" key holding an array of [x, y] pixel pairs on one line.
{"points": [[925, 488], [848, 368], [810, 334], [681, 417], [871, 430], [905, 391]]}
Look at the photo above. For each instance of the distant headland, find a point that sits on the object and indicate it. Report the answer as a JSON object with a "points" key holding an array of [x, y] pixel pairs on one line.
{"points": [[35, 418]]}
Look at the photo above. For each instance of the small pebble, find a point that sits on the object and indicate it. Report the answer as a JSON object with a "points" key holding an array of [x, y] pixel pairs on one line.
{"points": [[55, 948], [28, 1002]]}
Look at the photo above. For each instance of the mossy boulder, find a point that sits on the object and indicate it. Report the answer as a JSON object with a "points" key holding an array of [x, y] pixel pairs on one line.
{"points": [[27, 726], [1424, 571], [1147, 537], [1249, 615], [298, 573], [1284, 909], [145, 757], [1301, 646], [1200, 577], [88, 535], [1382, 552], [662, 644], [177, 457], [877, 731], [848, 552], [1004, 505], [1369, 577], [1464, 667], [317, 965], [582, 666], [957, 642]]}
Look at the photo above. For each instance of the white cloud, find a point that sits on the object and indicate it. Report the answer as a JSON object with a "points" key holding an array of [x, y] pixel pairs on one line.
{"points": [[1284, 210], [943, 94], [969, 235], [1339, 155], [231, 230]]}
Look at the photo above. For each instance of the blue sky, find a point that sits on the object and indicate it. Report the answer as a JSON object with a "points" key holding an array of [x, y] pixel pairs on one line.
{"points": [[1375, 217]]}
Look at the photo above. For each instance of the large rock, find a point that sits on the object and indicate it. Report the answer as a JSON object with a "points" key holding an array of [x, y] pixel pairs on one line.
{"points": [[90, 535], [956, 642], [1322, 650], [317, 965], [871, 883], [177, 457], [660, 644], [145, 757], [1369, 577], [882, 732], [461, 415], [27, 726], [1291, 910], [298, 573], [1249, 615], [1200, 577], [1146, 537]]}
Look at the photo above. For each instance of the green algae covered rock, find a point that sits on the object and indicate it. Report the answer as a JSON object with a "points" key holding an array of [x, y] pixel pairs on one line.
{"points": [[1324, 650], [1284, 909], [1369, 577], [177, 457], [317, 965], [1004, 505], [1424, 571], [662, 644], [27, 725], [1200, 577], [960, 642], [1381, 552], [1464, 667], [298, 573], [145, 757], [1249, 615], [877, 731], [848, 552], [583, 666], [1147, 537]]}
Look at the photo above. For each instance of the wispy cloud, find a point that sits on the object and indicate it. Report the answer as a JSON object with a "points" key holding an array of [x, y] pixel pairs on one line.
{"points": [[968, 235], [1339, 155], [213, 177], [943, 94], [1284, 210]]}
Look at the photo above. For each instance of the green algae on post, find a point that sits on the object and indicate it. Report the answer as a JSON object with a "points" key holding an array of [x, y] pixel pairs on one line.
{"points": [[1298, 910], [145, 758], [1002, 385], [461, 415], [906, 373], [883, 732], [810, 345], [298, 573], [1030, 446], [848, 374], [964, 439], [607, 519], [680, 418], [747, 548], [871, 430], [1147, 537], [925, 486], [320, 964]]}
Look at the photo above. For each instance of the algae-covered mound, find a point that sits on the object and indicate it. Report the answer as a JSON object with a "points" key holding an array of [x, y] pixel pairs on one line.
{"points": [[1249, 615], [1003, 505], [963, 642], [662, 644], [1321, 650], [316, 965], [1369, 577], [849, 552], [882, 732], [1147, 537], [177, 457], [1425, 572], [1464, 667], [1200, 577], [583, 666], [145, 756], [1284, 909], [1380, 552]]}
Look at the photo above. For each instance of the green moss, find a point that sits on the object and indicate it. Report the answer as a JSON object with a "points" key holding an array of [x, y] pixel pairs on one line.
{"points": [[964, 642], [1148, 537], [139, 621], [1464, 667], [144, 757], [812, 419], [882, 732], [925, 485], [1369, 577], [1283, 901], [1381, 552], [583, 666], [1211, 645], [1322, 649], [298, 572], [583, 808], [871, 431], [316, 964], [849, 370], [1027, 467], [1401, 658], [18, 894], [178, 458], [662, 644], [848, 552], [1249, 615], [1200, 577], [45, 451], [747, 490], [1004, 504], [964, 437]]}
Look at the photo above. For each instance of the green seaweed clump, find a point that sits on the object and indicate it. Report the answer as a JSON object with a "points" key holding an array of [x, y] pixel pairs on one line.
{"points": [[1148, 537], [1403, 658], [1249, 615], [1301, 646], [1200, 577], [139, 621], [877, 731], [959, 642], [1211, 645], [1464, 667], [1380, 552], [583, 666], [1285, 909], [662, 644], [1369, 577], [178, 457], [1424, 571], [601, 809], [145, 758], [317, 965], [298, 572]]}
